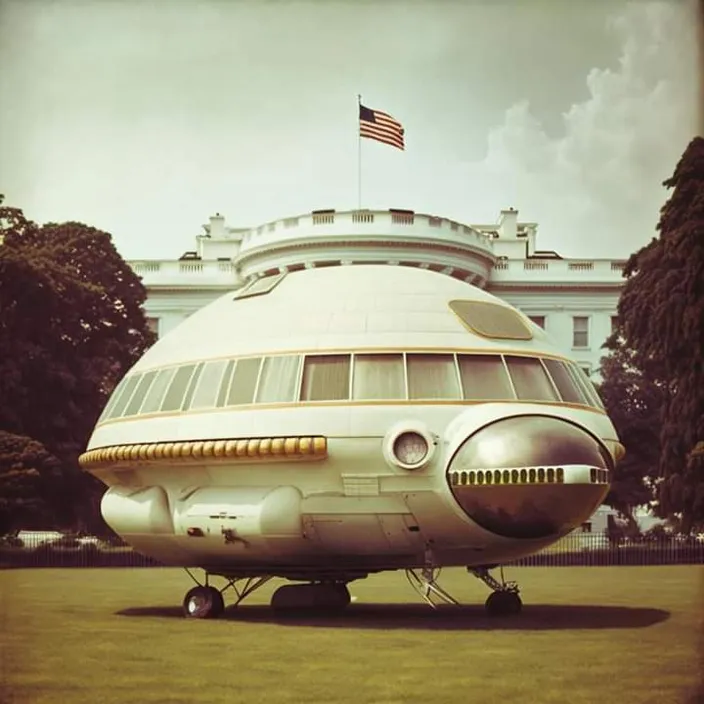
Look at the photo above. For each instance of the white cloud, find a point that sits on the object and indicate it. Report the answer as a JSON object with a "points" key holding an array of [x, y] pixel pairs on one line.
{"points": [[596, 189]]}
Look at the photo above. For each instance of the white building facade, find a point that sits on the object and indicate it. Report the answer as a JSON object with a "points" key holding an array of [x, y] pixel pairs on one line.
{"points": [[574, 300]]}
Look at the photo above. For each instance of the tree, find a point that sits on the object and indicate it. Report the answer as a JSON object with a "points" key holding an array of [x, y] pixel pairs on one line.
{"points": [[661, 311], [71, 325], [28, 475], [633, 403]]}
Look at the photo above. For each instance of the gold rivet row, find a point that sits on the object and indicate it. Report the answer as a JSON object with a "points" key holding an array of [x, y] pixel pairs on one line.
{"points": [[239, 449]]}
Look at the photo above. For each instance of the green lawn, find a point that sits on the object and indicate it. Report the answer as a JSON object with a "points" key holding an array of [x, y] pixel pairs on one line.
{"points": [[586, 635]]}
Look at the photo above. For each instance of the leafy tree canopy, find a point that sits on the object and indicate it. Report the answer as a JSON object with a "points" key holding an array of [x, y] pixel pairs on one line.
{"points": [[633, 403], [661, 312], [71, 325], [28, 476]]}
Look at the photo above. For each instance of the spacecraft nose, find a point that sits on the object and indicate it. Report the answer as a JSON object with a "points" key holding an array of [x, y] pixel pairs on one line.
{"points": [[530, 476]]}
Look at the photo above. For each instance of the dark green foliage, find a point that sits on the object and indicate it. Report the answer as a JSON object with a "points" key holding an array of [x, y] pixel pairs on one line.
{"points": [[633, 403], [662, 316], [28, 478], [71, 325]]}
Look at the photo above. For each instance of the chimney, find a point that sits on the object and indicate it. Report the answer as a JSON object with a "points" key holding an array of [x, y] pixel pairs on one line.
{"points": [[217, 226], [508, 224]]}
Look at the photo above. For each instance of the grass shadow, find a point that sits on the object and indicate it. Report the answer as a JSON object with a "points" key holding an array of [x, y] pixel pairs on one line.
{"points": [[534, 617]]}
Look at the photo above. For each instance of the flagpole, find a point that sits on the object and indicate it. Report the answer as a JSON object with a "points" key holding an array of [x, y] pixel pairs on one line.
{"points": [[359, 156]]}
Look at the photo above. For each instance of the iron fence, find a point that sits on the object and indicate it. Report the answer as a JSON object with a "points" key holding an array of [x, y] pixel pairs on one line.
{"points": [[593, 549]]}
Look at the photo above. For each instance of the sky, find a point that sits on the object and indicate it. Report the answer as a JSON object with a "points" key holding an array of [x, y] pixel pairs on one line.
{"points": [[143, 118]]}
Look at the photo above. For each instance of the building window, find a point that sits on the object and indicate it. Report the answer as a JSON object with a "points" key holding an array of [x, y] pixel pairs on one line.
{"points": [[614, 323], [153, 325], [587, 527], [580, 331], [539, 320]]}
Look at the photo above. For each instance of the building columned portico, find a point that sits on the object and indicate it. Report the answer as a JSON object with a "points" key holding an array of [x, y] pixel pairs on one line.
{"points": [[574, 300]]}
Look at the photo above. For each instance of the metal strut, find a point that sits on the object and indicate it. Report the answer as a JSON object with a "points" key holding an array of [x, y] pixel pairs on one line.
{"points": [[251, 584], [425, 582], [493, 583]]}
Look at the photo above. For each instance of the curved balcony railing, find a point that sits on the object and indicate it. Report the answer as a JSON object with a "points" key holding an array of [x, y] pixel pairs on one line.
{"points": [[374, 223], [327, 238]]}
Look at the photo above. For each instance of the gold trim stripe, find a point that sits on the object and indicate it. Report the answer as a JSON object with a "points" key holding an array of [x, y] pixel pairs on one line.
{"points": [[247, 449]]}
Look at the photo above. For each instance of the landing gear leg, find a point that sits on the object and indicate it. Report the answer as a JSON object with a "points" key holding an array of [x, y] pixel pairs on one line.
{"points": [[504, 599], [426, 584]]}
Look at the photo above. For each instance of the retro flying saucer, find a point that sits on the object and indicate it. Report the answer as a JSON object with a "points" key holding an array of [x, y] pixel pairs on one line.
{"points": [[325, 424]]}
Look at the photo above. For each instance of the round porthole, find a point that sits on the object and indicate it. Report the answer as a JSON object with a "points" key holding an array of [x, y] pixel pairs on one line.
{"points": [[409, 446]]}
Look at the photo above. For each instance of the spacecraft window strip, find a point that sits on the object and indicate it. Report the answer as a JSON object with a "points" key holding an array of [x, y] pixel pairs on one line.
{"points": [[359, 376], [484, 378], [510, 380], [432, 376], [117, 392], [139, 394], [259, 287], [378, 376], [326, 377], [530, 380], [593, 390], [225, 384], [126, 395], [278, 379], [192, 386], [299, 378], [566, 386], [583, 393], [458, 374], [588, 386], [553, 385], [173, 399], [491, 320], [206, 393], [157, 391], [244, 381]]}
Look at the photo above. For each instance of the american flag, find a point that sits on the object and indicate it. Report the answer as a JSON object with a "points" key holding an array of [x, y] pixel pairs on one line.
{"points": [[378, 125]]}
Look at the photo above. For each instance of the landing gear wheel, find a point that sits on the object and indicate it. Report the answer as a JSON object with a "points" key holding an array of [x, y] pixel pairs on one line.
{"points": [[318, 597], [503, 603], [203, 602]]}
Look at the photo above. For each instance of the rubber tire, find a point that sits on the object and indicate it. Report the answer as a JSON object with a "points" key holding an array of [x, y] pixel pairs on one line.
{"points": [[203, 602], [503, 604], [311, 598]]}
